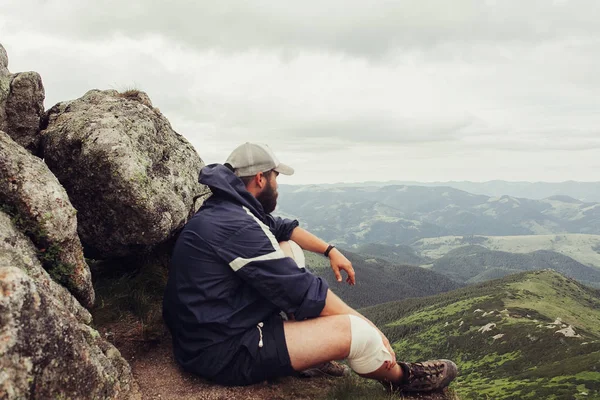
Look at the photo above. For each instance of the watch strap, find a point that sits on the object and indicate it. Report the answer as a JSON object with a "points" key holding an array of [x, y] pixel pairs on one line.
{"points": [[329, 248]]}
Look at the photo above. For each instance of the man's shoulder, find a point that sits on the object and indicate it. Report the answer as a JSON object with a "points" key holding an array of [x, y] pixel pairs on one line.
{"points": [[222, 215]]}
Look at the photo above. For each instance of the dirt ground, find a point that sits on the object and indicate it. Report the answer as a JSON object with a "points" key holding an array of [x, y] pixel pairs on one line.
{"points": [[159, 377]]}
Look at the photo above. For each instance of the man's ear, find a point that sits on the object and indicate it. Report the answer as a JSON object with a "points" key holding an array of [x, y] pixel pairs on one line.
{"points": [[258, 179]]}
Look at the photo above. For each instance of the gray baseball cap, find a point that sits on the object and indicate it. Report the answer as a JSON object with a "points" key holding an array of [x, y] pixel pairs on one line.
{"points": [[251, 158]]}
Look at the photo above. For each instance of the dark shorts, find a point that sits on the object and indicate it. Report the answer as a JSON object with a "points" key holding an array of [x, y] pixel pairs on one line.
{"points": [[251, 363]]}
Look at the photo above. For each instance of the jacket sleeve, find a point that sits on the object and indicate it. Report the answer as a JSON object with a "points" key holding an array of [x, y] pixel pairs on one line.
{"points": [[254, 254], [282, 227]]}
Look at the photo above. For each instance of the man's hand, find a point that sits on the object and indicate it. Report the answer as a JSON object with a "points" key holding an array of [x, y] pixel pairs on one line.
{"points": [[340, 262]]}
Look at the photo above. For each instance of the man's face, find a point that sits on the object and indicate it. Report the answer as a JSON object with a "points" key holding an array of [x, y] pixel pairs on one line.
{"points": [[268, 197]]}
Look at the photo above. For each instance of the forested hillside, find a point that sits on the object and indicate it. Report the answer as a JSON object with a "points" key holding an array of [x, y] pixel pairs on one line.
{"points": [[472, 264], [399, 214], [379, 281], [399, 254], [532, 335]]}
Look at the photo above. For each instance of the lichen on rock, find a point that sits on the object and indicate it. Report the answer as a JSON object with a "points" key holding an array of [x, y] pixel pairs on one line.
{"points": [[3, 61], [41, 207], [46, 353], [16, 250], [21, 104], [131, 177]]}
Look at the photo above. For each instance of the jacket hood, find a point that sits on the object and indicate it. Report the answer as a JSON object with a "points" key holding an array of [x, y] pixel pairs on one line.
{"points": [[223, 183]]}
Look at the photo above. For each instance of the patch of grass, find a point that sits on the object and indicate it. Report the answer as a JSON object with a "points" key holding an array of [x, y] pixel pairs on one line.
{"points": [[436, 313], [123, 292], [356, 388], [136, 95]]}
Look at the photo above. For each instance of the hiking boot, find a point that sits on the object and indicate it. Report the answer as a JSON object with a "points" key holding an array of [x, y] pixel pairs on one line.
{"points": [[426, 376], [331, 368]]}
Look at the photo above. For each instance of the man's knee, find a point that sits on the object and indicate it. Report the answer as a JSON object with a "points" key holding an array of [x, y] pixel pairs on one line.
{"points": [[367, 351], [293, 250]]}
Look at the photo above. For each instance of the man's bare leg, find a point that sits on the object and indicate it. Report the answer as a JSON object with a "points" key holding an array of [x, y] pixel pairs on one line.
{"points": [[322, 339]]}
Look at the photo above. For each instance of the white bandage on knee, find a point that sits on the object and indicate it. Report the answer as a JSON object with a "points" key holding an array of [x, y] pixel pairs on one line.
{"points": [[296, 253], [367, 352]]}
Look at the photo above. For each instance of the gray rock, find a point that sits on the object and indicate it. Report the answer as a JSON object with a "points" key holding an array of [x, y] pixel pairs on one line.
{"points": [[21, 105], [3, 61], [129, 175], [41, 207], [16, 250], [45, 353], [24, 109]]}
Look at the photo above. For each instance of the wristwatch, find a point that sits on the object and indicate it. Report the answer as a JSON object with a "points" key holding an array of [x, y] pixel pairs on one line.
{"points": [[329, 248]]}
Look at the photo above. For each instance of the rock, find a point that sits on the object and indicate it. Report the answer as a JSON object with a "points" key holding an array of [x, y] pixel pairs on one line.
{"points": [[24, 109], [487, 327], [21, 105], [45, 353], [40, 205], [568, 332], [16, 250], [130, 176], [3, 61]]}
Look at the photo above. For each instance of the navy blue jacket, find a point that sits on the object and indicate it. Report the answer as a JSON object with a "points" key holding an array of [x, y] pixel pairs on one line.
{"points": [[228, 273]]}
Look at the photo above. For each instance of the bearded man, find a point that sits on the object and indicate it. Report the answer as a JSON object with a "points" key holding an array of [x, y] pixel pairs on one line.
{"points": [[236, 271]]}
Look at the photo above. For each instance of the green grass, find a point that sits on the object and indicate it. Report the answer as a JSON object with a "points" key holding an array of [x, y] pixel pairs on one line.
{"points": [[530, 361], [125, 292], [356, 388]]}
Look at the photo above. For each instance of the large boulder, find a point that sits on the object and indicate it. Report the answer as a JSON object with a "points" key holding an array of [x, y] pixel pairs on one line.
{"points": [[21, 104], [41, 207], [130, 176], [45, 353]]}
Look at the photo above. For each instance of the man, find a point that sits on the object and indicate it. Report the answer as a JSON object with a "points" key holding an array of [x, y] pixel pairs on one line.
{"points": [[230, 280]]}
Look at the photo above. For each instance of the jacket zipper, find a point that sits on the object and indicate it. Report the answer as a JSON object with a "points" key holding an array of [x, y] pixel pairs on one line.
{"points": [[259, 326]]}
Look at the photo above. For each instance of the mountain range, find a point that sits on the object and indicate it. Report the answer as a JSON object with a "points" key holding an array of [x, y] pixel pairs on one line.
{"points": [[401, 214], [584, 191]]}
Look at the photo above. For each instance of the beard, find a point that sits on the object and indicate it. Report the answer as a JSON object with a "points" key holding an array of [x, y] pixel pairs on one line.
{"points": [[268, 199]]}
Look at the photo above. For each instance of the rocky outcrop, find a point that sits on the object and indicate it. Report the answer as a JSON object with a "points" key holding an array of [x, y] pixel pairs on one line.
{"points": [[41, 207], [45, 353], [47, 350], [129, 175], [16, 250], [21, 104]]}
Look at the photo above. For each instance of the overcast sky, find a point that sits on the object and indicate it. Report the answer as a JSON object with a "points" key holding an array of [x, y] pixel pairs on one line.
{"points": [[342, 90]]}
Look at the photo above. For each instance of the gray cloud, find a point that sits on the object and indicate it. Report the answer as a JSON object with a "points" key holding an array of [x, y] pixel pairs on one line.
{"points": [[353, 26], [446, 85]]}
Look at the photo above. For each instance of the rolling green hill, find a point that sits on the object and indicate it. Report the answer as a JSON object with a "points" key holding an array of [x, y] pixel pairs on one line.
{"points": [[379, 281], [533, 335], [582, 248], [398, 254], [473, 264]]}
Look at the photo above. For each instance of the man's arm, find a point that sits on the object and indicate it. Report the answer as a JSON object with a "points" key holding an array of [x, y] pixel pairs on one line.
{"points": [[310, 242], [253, 253], [336, 306]]}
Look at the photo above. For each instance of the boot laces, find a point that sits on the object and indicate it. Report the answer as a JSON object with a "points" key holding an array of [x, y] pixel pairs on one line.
{"points": [[425, 371]]}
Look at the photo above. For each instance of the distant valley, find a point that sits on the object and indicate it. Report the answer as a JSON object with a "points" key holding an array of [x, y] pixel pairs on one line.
{"points": [[379, 281]]}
